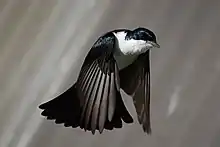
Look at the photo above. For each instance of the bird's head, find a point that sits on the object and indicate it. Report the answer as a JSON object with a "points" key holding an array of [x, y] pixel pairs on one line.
{"points": [[145, 35]]}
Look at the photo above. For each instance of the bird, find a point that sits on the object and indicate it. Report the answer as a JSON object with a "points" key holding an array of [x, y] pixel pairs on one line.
{"points": [[119, 60]]}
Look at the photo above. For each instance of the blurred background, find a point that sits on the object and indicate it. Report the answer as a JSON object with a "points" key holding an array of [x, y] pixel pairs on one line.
{"points": [[42, 47]]}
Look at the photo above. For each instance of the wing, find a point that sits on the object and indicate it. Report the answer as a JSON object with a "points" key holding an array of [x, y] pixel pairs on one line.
{"points": [[94, 102], [98, 84], [135, 81]]}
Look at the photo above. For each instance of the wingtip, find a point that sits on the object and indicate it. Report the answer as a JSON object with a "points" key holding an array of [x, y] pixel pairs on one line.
{"points": [[101, 130], [147, 130], [93, 132]]}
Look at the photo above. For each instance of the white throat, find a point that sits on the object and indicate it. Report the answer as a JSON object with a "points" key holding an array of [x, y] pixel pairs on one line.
{"points": [[131, 46], [128, 50]]}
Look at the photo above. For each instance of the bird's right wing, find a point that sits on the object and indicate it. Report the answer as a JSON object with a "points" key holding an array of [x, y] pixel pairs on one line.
{"points": [[94, 102], [98, 86]]}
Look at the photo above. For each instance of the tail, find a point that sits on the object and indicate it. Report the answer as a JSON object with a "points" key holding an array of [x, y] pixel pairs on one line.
{"points": [[65, 109]]}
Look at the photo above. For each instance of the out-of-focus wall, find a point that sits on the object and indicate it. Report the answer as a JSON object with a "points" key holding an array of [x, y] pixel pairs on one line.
{"points": [[43, 44]]}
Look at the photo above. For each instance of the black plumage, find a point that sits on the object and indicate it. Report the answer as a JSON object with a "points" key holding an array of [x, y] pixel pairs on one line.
{"points": [[94, 102]]}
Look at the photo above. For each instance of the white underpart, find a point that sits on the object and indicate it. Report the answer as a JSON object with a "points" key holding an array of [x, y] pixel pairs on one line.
{"points": [[128, 50]]}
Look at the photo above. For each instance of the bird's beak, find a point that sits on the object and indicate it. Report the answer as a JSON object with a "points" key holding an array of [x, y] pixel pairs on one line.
{"points": [[154, 44]]}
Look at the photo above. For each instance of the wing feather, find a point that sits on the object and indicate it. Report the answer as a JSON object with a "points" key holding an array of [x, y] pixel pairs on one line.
{"points": [[104, 101], [135, 81], [94, 102]]}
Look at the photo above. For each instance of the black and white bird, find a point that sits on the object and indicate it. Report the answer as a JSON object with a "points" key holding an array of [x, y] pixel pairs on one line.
{"points": [[118, 60]]}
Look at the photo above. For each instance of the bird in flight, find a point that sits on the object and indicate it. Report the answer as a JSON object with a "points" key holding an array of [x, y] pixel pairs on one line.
{"points": [[119, 59]]}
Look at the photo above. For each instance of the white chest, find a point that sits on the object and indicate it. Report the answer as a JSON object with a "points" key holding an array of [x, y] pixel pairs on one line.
{"points": [[128, 50], [131, 46]]}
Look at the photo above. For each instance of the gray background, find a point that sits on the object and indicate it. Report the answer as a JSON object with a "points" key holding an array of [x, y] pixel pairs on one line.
{"points": [[43, 44]]}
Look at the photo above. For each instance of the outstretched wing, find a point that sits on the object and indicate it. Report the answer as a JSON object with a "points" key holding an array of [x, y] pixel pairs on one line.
{"points": [[135, 81], [94, 102], [98, 85]]}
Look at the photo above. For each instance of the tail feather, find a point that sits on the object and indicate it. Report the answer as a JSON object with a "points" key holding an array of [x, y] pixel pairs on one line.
{"points": [[65, 109]]}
